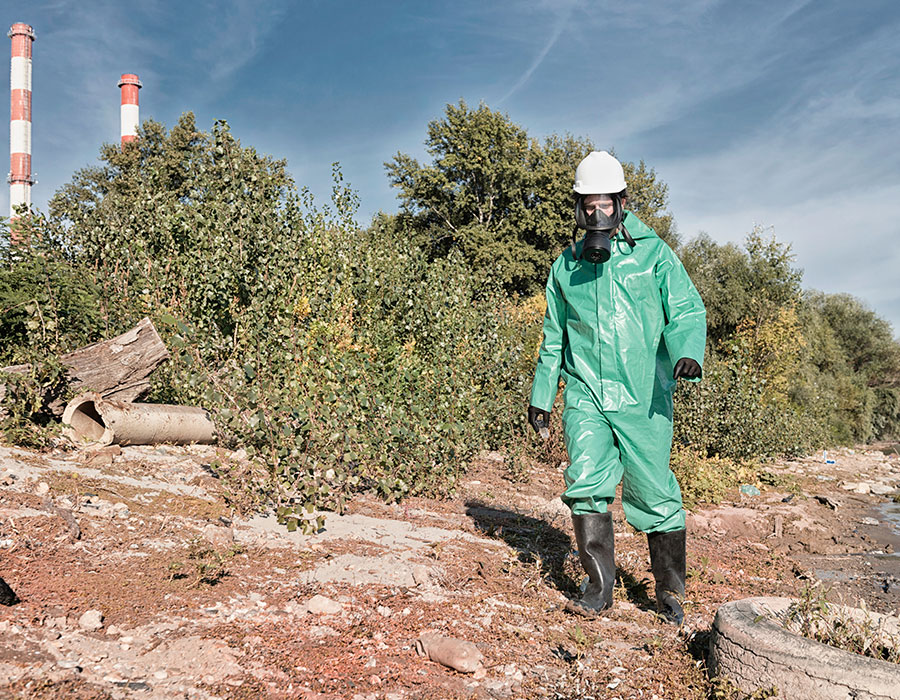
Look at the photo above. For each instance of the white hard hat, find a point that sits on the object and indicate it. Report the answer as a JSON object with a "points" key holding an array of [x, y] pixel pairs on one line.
{"points": [[599, 173]]}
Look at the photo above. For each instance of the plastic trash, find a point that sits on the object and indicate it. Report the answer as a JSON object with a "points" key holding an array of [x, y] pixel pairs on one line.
{"points": [[749, 490], [825, 457]]}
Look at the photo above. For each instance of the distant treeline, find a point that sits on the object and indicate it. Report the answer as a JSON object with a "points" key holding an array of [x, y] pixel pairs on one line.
{"points": [[386, 357]]}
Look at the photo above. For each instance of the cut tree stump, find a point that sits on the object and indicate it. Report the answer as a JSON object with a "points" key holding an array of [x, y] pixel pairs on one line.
{"points": [[118, 368]]}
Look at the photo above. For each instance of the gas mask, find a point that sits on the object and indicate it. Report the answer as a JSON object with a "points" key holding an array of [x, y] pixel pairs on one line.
{"points": [[599, 226]]}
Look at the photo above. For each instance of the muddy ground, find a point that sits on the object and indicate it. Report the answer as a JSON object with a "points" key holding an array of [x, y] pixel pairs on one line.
{"points": [[197, 602]]}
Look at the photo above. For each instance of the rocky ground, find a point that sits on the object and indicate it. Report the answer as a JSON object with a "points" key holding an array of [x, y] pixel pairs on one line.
{"points": [[137, 580]]}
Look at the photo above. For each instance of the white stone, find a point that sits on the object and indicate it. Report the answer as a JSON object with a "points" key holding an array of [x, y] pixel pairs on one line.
{"points": [[42, 489], [218, 536], [320, 605], [91, 621], [421, 575]]}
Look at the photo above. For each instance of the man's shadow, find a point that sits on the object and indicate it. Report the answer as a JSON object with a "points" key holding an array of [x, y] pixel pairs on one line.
{"points": [[536, 540]]}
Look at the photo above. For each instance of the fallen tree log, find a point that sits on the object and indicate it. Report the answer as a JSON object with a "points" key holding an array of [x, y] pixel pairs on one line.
{"points": [[118, 368]]}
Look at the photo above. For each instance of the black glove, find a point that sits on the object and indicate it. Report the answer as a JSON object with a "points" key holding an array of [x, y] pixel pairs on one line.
{"points": [[539, 420], [687, 368]]}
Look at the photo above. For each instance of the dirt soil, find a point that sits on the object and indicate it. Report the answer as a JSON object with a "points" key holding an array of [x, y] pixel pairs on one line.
{"points": [[191, 601]]}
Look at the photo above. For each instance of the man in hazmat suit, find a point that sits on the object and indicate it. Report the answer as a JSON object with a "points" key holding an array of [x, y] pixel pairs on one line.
{"points": [[623, 323]]}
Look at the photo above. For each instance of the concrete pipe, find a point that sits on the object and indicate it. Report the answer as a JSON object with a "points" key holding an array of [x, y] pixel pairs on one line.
{"points": [[91, 419]]}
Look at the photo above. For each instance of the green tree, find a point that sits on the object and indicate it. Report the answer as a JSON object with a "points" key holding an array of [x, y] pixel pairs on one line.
{"points": [[502, 198], [339, 359], [648, 198], [853, 367], [755, 282], [192, 225], [46, 303]]}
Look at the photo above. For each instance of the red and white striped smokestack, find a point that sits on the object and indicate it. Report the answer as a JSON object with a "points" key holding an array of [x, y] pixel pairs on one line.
{"points": [[130, 110], [20, 179]]}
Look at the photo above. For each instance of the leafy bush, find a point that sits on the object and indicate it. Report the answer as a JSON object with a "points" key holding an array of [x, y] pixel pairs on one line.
{"points": [[384, 358], [340, 359], [707, 479], [47, 306], [742, 408], [24, 419]]}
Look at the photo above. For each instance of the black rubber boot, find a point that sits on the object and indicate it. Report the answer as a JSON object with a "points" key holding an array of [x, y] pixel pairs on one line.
{"points": [[667, 559], [594, 539]]}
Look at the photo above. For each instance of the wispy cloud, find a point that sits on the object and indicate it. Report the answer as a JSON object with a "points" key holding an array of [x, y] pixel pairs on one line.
{"points": [[234, 33], [751, 112], [564, 13]]}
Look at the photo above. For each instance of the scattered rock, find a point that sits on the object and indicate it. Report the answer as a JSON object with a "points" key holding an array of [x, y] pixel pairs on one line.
{"points": [[827, 501], [196, 656], [91, 621], [99, 459], [293, 608], [869, 521], [456, 653], [384, 611], [322, 631], [218, 536], [135, 685], [421, 575], [320, 605], [42, 489]]}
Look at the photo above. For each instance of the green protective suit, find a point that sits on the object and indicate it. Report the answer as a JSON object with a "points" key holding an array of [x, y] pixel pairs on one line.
{"points": [[613, 331]]}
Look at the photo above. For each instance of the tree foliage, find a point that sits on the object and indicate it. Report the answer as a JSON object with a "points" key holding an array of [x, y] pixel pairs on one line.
{"points": [[786, 370], [340, 359], [736, 284], [502, 198], [385, 358]]}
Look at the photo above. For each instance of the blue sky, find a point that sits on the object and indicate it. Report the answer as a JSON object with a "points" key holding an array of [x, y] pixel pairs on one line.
{"points": [[784, 115]]}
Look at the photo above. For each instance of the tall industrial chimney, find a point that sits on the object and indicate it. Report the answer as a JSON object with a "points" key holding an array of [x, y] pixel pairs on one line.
{"points": [[130, 116], [20, 179]]}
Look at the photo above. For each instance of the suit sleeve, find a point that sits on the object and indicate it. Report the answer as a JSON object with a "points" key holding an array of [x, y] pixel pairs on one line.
{"points": [[546, 376], [685, 330]]}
